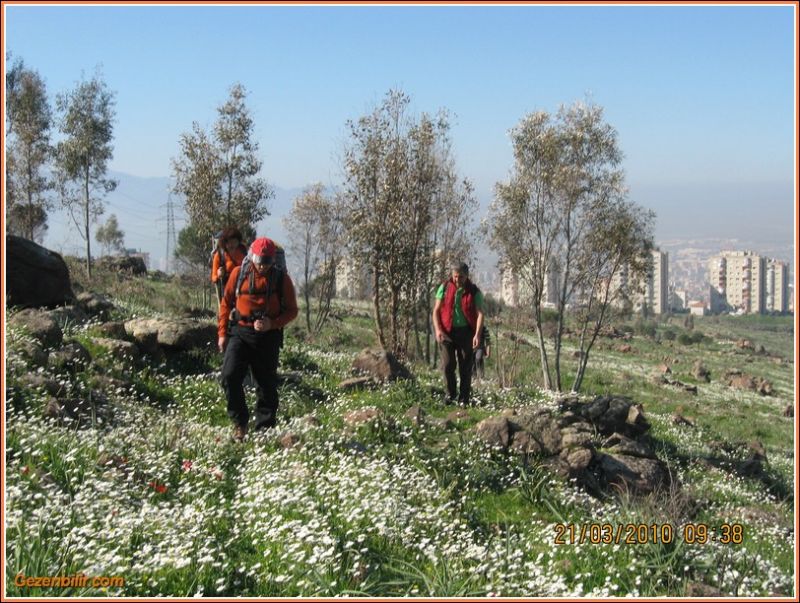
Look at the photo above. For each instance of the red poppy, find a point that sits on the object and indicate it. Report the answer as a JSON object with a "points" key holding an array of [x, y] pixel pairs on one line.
{"points": [[160, 488]]}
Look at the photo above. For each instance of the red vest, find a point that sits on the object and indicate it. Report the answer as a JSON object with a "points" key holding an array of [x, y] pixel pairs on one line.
{"points": [[467, 305]]}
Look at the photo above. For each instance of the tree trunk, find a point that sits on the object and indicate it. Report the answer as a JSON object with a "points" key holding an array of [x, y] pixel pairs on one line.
{"points": [[376, 306], [543, 353], [306, 293], [86, 224], [395, 321]]}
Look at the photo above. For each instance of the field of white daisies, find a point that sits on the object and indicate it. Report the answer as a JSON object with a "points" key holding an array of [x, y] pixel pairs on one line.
{"points": [[153, 489]]}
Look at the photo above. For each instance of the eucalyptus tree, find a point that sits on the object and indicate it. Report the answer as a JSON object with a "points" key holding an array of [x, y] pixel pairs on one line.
{"points": [[109, 235], [397, 172], [244, 192], [217, 175], [87, 123], [562, 221], [314, 226], [28, 152]]}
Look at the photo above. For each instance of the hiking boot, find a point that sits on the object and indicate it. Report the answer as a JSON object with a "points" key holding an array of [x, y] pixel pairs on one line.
{"points": [[239, 433]]}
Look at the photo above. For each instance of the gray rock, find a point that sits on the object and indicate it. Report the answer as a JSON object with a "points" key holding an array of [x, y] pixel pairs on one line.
{"points": [[578, 459], [619, 444], [495, 431], [381, 365], [113, 330], [95, 304], [172, 333], [700, 372], [32, 352], [71, 356], [635, 475], [121, 350], [416, 414], [40, 382], [86, 411], [40, 325], [356, 383], [524, 443], [68, 315]]}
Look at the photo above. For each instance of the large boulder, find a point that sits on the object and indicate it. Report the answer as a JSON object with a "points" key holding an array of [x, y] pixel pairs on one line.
{"points": [[35, 276], [171, 333]]}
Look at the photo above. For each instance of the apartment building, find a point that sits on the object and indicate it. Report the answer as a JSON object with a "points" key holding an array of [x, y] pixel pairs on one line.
{"points": [[652, 291], [777, 286], [740, 276], [515, 290]]}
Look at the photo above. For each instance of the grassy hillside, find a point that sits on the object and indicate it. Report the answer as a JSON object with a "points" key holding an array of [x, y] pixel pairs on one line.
{"points": [[151, 488]]}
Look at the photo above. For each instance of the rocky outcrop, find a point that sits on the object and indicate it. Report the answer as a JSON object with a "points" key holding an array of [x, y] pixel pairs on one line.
{"points": [[35, 276], [599, 443]]}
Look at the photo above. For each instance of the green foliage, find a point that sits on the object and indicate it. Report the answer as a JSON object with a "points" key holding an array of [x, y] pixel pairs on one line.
{"points": [[691, 338]]}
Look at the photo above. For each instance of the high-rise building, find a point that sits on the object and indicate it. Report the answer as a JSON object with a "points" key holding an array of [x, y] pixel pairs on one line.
{"points": [[777, 286], [740, 276], [516, 291], [652, 291]]}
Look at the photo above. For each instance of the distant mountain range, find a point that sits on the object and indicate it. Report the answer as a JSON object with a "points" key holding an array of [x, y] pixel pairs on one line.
{"points": [[729, 219]]}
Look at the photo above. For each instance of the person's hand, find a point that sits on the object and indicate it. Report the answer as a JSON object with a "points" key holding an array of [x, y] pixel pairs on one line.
{"points": [[476, 342], [221, 343], [440, 336], [488, 352], [220, 272], [262, 324]]}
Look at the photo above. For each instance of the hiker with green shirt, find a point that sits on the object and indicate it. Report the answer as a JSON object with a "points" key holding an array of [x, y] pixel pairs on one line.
{"points": [[457, 322]]}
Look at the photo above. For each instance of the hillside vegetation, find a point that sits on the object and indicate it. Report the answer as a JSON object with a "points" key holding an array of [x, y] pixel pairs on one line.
{"points": [[353, 494]]}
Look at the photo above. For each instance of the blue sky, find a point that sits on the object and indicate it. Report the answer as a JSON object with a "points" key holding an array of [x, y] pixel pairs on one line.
{"points": [[702, 97]]}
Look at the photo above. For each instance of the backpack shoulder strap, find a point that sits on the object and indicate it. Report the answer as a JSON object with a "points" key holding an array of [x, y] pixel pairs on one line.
{"points": [[243, 270]]}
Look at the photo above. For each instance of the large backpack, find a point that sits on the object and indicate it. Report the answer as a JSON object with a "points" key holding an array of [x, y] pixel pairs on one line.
{"points": [[274, 282]]}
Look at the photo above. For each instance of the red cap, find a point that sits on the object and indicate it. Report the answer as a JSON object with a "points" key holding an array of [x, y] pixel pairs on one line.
{"points": [[262, 251]]}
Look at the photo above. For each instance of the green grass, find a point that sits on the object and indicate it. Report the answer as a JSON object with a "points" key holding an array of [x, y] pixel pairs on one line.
{"points": [[387, 508]]}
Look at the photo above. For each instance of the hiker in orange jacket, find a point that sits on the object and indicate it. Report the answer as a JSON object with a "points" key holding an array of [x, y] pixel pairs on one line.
{"points": [[259, 301], [229, 253]]}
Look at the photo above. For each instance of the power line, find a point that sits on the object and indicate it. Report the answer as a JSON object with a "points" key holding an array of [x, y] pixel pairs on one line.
{"points": [[171, 239]]}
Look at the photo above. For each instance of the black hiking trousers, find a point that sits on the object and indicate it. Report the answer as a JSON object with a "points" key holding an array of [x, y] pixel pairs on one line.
{"points": [[259, 352], [457, 349]]}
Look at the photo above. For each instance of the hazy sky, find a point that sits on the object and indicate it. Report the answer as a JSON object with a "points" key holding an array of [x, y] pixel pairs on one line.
{"points": [[702, 97]]}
